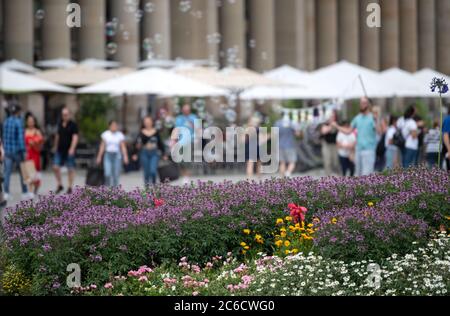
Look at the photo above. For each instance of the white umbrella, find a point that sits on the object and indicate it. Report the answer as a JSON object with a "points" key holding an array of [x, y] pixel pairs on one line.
{"points": [[405, 84], [17, 65], [15, 82], [100, 63], [345, 80], [153, 81], [56, 63], [81, 76], [289, 74], [157, 63]]}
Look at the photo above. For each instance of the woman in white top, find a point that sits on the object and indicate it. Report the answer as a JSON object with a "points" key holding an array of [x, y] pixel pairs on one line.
{"points": [[410, 132], [113, 150], [346, 143]]}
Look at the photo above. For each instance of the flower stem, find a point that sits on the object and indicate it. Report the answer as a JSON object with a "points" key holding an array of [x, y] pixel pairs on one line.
{"points": [[440, 131]]}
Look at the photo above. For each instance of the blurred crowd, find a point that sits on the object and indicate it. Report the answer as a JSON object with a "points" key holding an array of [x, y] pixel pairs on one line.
{"points": [[366, 144]]}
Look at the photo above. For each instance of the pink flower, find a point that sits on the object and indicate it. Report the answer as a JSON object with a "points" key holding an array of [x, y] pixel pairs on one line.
{"points": [[158, 202], [195, 293], [93, 286], [109, 286], [143, 279]]}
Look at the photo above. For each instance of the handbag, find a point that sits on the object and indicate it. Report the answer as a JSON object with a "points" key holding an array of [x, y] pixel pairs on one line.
{"points": [[28, 171], [95, 177], [168, 171]]}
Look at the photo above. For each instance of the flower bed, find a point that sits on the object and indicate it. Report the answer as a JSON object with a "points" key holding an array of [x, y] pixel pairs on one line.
{"points": [[110, 232]]}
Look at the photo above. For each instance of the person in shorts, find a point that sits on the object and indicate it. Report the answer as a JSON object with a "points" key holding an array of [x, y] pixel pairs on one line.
{"points": [[288, 146], [66, 142]]}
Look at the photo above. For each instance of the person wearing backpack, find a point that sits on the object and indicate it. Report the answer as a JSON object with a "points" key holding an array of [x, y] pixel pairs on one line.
{"points": [[391, 151]]}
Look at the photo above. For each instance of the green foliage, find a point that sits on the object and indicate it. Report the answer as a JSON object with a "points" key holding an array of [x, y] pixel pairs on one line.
{"points": [[92, 116]]}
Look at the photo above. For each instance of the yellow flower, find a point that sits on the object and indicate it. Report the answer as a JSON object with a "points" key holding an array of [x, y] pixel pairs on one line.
{"points": [[310, 225], [292, 228], [244, 252], [247, 231], [278, 243], [295, 251], [243, 244], [334, 220], [287, 252], [288, 219], [370, 204], [280, 221], [283, 234], [259, 239], [287, 243], [447, 217], [246, 247], [282, 229]]}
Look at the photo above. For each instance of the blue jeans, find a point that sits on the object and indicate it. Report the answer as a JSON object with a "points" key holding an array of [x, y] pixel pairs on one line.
{"points": [[390, 155], [409, 157], [11, 161], [365, 162], [432, 160], [149, 162], [112, 163]]}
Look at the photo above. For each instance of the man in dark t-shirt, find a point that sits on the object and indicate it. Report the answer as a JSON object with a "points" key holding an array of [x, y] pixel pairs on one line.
{"points": [[65, 145]]}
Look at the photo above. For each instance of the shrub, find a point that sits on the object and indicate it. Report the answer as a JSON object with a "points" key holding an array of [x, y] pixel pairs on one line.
{"points": [[110, 231]]}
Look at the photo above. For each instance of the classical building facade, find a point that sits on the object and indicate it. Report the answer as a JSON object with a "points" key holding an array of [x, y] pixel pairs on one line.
{"points": [[259, 34]]}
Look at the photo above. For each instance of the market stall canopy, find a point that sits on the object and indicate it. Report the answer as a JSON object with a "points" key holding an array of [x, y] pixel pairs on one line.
{"points": [[426, 75], [405, 84], [343, 81], [56, 63], [290, 75], [157, 63], [100, 63], [15, 82], [80, 76], [298, 86], [17, 65], [228, 78], [153, 81]]}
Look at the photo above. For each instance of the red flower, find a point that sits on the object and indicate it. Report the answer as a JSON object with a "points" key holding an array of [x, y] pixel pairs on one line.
{"points": [[158, 202], [297, 212]]}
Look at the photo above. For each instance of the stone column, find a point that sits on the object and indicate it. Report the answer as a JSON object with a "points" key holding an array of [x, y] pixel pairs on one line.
{"points": [[233, 31], [92, 32], [127, 36], [288, 16], [390, 34], [369, 39], [443, 37], [55, 31], [262, 32], [156, 27], [427, 26], [191, 26], [349, 30], [327, 32], [18, 30], [409, 44], [307, 27]]}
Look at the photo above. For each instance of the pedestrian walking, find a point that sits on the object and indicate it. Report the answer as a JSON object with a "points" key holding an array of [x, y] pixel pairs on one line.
{"points": [[391, 154], [34, 140], [113, 152], [66, 142], [151, 149], [346, 143], [432, 145], [14, 147]]}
